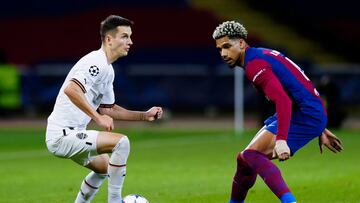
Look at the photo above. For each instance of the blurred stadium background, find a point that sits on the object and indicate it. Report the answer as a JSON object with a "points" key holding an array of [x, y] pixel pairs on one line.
{"points": [[173, 63]]}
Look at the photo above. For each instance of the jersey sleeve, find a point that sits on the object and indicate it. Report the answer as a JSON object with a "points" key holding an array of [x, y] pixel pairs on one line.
{"points": [[108, 99], [88, 75], [265, 80]]}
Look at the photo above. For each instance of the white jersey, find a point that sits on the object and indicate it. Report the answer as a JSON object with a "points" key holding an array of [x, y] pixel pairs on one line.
{"points": [[95, 77]]}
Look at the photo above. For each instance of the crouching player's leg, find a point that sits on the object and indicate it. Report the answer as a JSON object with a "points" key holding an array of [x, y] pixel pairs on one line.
{"points": [[256, 159], [92, 182], [115, 166], [243, 180], [117, 169], [257, 155]]}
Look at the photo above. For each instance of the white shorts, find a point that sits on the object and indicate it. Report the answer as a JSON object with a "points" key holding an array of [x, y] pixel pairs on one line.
{"points": [[77, 145]]}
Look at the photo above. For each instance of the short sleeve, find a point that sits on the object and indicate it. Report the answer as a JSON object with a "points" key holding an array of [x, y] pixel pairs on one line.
{"points": [[109, 96], [88, 75]]}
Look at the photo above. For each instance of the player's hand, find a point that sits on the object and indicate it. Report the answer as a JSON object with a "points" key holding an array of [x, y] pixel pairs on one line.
{"points": [[106, 122], [328, 139], [153, 113], [281, 150]]}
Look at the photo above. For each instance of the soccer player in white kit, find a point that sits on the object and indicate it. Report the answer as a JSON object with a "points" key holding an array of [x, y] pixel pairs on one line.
{"points": [[86, 94]]}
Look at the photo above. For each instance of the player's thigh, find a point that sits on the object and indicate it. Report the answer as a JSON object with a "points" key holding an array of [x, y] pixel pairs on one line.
{"points": [[106, 141], [303, 128], [264, 142], [77, 145], [75, 142]]}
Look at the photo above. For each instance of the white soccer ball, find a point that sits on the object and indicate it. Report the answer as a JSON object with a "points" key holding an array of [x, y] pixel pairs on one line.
{"points": [[134, 198]]}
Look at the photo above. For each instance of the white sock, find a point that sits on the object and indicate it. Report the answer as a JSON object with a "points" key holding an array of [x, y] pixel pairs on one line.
{"points": [[117, 169], [89, 187]]}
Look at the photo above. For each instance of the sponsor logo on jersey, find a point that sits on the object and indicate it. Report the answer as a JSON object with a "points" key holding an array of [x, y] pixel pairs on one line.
{"points": [[258, 73]]}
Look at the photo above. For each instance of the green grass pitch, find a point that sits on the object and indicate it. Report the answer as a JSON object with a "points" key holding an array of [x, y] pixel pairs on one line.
{"points": [[176, 166]]}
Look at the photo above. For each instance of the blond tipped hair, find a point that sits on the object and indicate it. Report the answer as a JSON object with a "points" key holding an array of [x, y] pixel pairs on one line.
{"points": [[232, 29]]}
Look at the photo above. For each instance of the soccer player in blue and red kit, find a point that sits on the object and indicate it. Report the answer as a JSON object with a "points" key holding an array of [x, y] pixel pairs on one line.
{"points": [[300, 115]]}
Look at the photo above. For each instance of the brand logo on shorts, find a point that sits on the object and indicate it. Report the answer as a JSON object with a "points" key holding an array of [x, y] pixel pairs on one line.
{"points": [[81, 136]]}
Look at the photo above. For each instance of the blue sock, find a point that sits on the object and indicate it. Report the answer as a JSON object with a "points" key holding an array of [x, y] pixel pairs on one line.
{"points": [[233, 201], [287, 198]]}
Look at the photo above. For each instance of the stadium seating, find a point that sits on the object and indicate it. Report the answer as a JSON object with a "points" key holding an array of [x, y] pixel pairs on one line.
{"points": [[172, 63], [333, 24]]}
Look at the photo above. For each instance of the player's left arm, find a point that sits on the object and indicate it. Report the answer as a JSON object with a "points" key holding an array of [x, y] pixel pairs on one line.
{"points": [[275, 92], [119, 113], [272, 88], [330, 140]]}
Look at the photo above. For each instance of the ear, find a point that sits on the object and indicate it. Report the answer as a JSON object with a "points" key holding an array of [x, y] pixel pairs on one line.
{"points": [[108, 39], [242, 43]]}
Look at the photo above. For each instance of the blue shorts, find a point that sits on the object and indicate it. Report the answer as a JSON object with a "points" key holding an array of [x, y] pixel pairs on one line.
{"points": [[303, 128]]}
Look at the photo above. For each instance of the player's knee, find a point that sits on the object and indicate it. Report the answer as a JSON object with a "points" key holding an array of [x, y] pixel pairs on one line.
{"points": [[246, 154], [100, 168], [241, 163], [120, 152], [239, 157], [122, 147]]}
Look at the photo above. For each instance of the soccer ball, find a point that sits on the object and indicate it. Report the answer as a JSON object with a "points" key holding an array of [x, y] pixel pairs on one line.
{"points": [[135, 199]]}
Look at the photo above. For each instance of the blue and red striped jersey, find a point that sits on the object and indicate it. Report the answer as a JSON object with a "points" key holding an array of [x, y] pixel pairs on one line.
{"points": [[283, 82]]}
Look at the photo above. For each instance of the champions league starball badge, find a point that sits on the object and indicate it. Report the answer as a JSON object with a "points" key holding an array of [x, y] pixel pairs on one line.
{"points": [[94, 71]]}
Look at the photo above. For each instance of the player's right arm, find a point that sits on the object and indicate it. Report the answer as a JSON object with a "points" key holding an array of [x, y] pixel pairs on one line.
{"points": [[77, 96]]}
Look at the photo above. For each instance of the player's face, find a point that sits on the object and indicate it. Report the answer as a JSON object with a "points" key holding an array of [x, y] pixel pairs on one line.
{"points": [[230, 50], [121, 42]]}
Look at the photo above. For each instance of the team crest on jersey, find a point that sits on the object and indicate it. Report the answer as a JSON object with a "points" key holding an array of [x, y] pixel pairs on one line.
{"points": [[94, 70], [81, 136]]}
